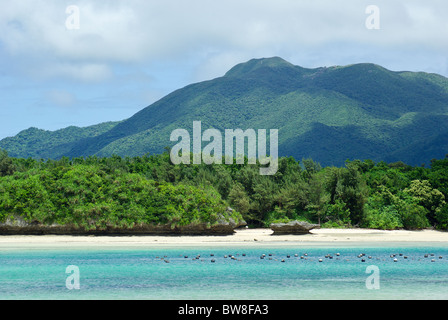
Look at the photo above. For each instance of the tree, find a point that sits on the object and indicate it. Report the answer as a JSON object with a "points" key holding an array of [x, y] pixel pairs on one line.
{"points": [[311, 167], [318, 197], [438, 176], [381, 210], [7, 166], [239, 199], [442, 218], [413, 215], [348, 186], [426, 196]]}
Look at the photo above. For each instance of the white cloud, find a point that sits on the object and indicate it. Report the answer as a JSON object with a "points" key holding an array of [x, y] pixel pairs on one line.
{"points": [[124, 31], [130, 52], [132, 31], [34, 33]]}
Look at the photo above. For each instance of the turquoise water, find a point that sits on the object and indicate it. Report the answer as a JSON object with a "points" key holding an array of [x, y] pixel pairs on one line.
{"points": [[148, 274]]}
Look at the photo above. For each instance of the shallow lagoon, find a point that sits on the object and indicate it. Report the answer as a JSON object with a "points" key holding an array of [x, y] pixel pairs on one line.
{"points": [[189, 273]]}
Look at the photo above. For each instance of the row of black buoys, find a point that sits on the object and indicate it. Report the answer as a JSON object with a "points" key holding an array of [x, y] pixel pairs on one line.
{"points": [[164, 259], [363, 255], [304, 256], [432, 255]]}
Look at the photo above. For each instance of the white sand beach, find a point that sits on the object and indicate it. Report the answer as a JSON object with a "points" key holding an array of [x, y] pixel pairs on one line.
{"points": [[242, 237]]}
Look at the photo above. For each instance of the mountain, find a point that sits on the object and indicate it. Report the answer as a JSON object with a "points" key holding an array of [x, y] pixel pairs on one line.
{"points": [[38, 143], [360, 111]]}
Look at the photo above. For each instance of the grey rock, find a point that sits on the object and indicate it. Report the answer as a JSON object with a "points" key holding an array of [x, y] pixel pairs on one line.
{"points": [[225, 225], [293, 227]]}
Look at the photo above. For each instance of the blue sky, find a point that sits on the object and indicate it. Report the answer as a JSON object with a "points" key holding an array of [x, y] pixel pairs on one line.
{"points": [[125, 55]]}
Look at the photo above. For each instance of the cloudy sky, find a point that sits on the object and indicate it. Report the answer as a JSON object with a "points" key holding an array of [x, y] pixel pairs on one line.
{"points": [[80, 62]]}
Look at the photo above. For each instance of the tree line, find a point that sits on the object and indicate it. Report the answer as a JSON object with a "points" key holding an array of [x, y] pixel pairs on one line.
{"points": [[94, 191]]}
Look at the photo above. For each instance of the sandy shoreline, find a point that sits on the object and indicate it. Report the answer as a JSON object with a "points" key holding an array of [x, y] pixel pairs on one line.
{"points": [[243, 237]]}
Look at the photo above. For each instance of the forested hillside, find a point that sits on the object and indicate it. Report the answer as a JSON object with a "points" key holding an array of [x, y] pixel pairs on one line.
{"points": [[360, 111]]}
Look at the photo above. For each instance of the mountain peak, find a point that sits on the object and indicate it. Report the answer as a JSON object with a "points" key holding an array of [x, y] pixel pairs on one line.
{"points": [[329, 114], [255, 64]]}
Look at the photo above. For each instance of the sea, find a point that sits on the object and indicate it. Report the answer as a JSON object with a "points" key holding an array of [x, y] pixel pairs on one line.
{"points": [[226, 273]]}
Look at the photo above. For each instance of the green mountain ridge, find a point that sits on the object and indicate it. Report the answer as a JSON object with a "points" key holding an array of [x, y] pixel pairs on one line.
{"points": [[359, 111]]}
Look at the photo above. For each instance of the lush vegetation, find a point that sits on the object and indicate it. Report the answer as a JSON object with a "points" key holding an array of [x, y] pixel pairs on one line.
{"points": [[360, 111], [95, 192]]}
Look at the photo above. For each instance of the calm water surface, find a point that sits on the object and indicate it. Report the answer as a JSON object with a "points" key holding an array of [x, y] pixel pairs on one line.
{"points": [[189, 273]]}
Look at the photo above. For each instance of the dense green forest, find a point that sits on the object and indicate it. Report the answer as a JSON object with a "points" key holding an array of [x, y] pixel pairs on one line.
{"points": [[93, 192]]}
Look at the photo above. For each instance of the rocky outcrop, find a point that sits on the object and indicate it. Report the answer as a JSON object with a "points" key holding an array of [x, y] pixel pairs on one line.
{"points": [[293, 227], [224, 226], [192, 229]]}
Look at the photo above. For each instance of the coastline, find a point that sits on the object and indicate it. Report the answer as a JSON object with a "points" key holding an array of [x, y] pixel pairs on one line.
{"points": [[242, 237]]}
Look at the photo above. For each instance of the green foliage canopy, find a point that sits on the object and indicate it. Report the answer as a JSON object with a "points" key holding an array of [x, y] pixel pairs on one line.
{"points": [[96, 193]]}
